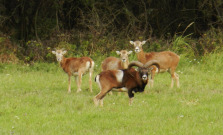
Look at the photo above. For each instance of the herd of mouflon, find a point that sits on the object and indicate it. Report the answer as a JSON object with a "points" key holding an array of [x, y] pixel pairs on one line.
{"points": [[118, 74]]}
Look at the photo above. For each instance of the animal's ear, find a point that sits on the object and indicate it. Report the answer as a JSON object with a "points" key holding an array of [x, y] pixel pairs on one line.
{"points": [[143, 42], [129, 52], [118, 52], [151, 68], [131, 42], [54, 52], [64, 52]]}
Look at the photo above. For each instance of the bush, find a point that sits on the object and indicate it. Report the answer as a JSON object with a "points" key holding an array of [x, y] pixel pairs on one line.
{"points": [[7, 50], [210, 41]]}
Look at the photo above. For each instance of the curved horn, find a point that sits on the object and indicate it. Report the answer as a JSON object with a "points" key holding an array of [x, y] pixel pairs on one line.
{"points": [[152, 62], [135, 63]]}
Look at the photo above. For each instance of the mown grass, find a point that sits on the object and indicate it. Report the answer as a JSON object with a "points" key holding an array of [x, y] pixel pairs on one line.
{"points": [[34, 100]]}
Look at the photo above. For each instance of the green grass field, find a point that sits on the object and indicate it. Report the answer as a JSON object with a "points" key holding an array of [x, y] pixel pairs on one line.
{"points": [[34, 100]]}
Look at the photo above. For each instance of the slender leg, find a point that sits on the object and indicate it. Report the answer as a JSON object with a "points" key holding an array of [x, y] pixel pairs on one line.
{"points": [[130, 101], [172, 73], [177, 80], [131, 95], [96, 101], [69, 83], [110, 93], [101, 102], [151, 82], [172, 82], [153, 74], [76, 79], [90, 75], [90, 81], [99, 97], [151, 79], [79, 82], [148, 84]]}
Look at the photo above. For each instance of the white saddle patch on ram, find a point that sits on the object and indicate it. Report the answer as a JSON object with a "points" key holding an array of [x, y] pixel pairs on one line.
{"points": [[119, 75]]}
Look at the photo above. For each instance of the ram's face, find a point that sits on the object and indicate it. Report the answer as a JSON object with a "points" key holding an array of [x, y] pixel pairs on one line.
{"points": [[143, 73]]}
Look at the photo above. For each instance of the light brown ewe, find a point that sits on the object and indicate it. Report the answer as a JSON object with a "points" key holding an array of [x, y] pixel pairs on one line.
{"points": [[76, 67], [113, 63], [168, 61]]}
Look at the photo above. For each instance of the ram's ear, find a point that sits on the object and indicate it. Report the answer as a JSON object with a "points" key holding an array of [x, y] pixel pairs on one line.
{"points": [[53, 52], [131, 42], [118, 52], [151, 68], [129, 52], [143, 42]]}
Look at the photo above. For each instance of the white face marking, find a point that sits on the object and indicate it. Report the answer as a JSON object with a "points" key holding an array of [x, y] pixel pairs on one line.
{"points": [[119, 75], [124, 55], [137, 45], [59, 57], [144, 77], [137, 49], [59, 54]]}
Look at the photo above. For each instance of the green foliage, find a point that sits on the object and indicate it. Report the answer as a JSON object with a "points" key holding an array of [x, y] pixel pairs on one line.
{"points": [[210, 41], [31, 19], [213, 62], [34, 51], [23, 68], [7, 50], [184, 45], [94, 28]]}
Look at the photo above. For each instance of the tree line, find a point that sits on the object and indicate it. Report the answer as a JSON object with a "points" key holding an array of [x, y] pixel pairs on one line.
{"points": [[80, 21]]}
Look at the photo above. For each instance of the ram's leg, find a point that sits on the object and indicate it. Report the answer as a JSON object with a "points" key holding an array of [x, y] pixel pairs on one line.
{"points": [[96, 101], [100, 97], [130, 101], [104, 90], [101, 102], [110, 93], [131, 95]]}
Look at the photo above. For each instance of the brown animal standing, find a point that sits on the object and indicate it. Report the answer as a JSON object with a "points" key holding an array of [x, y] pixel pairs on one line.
{"points": [[127, 80], [76, 67], [168, 61], [113, 63]]}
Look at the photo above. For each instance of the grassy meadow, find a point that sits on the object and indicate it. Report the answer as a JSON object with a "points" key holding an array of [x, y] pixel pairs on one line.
{"points": [[34, 100]]}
